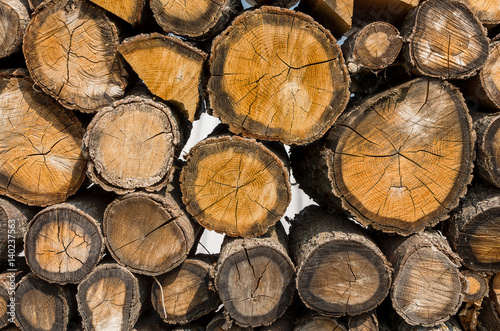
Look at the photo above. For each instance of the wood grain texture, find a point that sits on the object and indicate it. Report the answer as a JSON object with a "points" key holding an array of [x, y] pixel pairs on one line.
{"points": [[130, 10], [14, 19], [488, 147], [390, 11]]}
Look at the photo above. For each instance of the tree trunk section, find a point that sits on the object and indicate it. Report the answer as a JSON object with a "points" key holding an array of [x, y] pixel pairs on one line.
{"points": [[426, 288], [441, 47], [318, 322], [130, 10], [254, 278], [364, 322], [390, 11], [14, 18], [488, 148], [399, 162], [373, 48], [132, 145], [40, 146], [14, 218], [321, 245], [8, 281], [42, 306], [292, 92], [111, 298], [64, 242], [70, 51], [236, 185], [171, 69], [474, 229], [138, 225], [200, 20], [335, 15], [487, 11], [185, 293]]}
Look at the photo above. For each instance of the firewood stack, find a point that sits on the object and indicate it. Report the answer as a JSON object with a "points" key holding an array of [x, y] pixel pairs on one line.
{"points": [[387, 113]]}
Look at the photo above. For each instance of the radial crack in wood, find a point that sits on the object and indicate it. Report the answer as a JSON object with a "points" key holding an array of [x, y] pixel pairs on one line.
{"points": [[277, 75]]}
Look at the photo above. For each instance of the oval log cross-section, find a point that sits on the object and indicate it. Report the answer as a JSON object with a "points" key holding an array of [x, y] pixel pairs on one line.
{"points": [[277, 75], [70, 50], [235, 186]]}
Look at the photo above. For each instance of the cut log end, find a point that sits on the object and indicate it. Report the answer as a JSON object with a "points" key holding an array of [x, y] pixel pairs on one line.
{"points": [[291, 92], [14, 18], [487, 11], [488, 148], [478, 286], [130, 10], [334, 15]]}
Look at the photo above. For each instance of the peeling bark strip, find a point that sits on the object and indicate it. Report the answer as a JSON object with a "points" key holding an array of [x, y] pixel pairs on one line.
{"points": [[235, 185], [201, 19], [277, 75], [132, 145], [14, 18], [185, 293], [64, 243], [42, 306], [170, 68], [70, 51], [426, 288], [128, 10], [14, 218], [335, 15], [372, 48], [390, 11], [147, 233], [40, 143], [254, 278], [488, 11], [488, 148], [474, 229], [317, 322], [111, 298], [444, 39], [399, 162], [340, 270]]}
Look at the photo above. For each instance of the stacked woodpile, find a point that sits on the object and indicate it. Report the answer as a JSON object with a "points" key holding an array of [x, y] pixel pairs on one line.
{"points": [[386, 113]]}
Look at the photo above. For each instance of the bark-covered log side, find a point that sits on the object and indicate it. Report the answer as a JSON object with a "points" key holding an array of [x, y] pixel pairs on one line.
{"points": [[132, 145], [222, 323], [128, 10], [70, 49], [488, 148], [277, 75], [171, 69], [336, 16], [40, 145], [14, 19], [444, 39], [315, 322]]}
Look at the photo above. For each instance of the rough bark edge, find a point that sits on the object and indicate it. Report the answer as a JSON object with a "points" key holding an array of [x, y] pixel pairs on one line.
{"points": [[484, 165], [134, 18], [24, 18], [92, 172], [455, 95], [483, 291], [297, 14], [265, 149]]}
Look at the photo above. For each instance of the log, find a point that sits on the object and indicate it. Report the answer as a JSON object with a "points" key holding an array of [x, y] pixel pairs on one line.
{"points": [[291, 92], [364, 322], [41, 305], [323, 245], [336, 16], [8, 281], [171, 69], [14, 18], [451, 325], [454, 46], [372, 48], [42, 163], [484, 88], [220, 323], [14, 218], [111, 298], [64, 242], [150, 321], [489, 317], [254, 278], [426, 289], [318, 322], [70, 51], [200, 20], [488, 148], [474, 229], [185, 293], [132, 145], [277, 3], [130, 11], [138, 225], [478, 286], [236, 185], [487, 11], [399, 162], [390, 11]]}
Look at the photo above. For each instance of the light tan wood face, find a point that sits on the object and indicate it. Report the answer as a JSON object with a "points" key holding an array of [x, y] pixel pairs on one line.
{"points": [[106, 300]]}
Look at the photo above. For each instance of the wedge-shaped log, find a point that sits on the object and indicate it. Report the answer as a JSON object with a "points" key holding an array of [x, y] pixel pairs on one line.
{"points": [[333, 14], [128, 10]]}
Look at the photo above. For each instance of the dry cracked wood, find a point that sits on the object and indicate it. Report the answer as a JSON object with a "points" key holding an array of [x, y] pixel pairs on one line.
{"points": [[323, 245], [235, 185], [254, 278], [335, 15], [488, 11], [170, 68], [185, 293], [194, 19], [399, 162], [40, 143], [128, 10], [132, 145], [277, 75], [14, 18], [70, 51], [137, 227], [444, 39], [488, 147], [64, 243]]}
